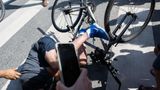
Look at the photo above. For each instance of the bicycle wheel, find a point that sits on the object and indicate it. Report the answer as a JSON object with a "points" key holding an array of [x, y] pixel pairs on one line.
{"points": [[117, 9], [66, 13], [2, 10]]}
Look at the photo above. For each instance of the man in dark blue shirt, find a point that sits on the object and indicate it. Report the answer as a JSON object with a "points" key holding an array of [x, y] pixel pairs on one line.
{"points": [[41, 64]]}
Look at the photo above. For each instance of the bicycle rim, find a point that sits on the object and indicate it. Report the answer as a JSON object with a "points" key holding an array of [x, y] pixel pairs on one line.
{"points": [[2, 11], [117, 9], [62, 18]]}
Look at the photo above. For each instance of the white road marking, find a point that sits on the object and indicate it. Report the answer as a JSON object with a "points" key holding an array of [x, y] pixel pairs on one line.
{"points": [[4, 1], [132, 88], [14, 22]]}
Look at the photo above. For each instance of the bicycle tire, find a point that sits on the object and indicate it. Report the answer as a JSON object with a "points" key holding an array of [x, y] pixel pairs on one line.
{"points": [[2, 12], [62, 5], [110, 22]]}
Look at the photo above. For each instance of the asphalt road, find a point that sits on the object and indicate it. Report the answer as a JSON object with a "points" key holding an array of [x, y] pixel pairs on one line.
{"points": [[24, 19]]}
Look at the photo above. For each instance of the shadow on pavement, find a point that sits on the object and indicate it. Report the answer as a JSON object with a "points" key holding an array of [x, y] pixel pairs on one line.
{"points": [[134, 71]]}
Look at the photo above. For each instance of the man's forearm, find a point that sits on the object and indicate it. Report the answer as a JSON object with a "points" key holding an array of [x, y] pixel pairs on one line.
{"points": [[1, 73]]}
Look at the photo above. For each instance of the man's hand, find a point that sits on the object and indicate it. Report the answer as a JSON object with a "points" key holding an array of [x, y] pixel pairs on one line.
{"points": [[82, 83], [11, 74]]}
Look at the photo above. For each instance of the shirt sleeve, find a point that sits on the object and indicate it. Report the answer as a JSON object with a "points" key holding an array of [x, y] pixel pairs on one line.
{"points": [[46, 44]]}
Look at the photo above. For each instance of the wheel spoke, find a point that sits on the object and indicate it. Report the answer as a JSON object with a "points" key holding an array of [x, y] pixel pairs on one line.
{"points": [[71, 11]]}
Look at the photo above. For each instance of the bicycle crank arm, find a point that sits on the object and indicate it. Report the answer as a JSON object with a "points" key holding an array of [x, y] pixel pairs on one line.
{"points": [[113, 72]]}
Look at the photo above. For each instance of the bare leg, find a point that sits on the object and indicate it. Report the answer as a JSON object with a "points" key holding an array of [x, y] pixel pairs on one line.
{"points": [[78, 42], [82, 55]]}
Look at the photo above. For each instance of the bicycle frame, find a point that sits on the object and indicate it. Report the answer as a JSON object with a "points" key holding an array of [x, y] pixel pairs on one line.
{"points": [[102, 55], [99, 55], [87, 12]]}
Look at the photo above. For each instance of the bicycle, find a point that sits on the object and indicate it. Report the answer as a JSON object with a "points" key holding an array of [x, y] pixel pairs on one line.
{"points": [[84, 12], [130, 16], [2, 10]]}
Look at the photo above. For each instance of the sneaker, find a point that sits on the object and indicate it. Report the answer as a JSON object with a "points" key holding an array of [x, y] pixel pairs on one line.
{"points": [[45, 3], [96, 31], [81, 31]]}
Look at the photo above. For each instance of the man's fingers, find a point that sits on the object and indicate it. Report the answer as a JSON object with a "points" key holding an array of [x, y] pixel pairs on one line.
{"points": [[19, 74], [12, 78]]}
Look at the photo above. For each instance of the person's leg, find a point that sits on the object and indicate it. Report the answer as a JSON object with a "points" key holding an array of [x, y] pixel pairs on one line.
{"points": [[80, 40], [93, 31], [33, 81], [82, 55]]}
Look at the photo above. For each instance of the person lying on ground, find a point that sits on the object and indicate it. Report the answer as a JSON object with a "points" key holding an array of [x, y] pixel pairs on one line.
{"points": [[41, 65]]}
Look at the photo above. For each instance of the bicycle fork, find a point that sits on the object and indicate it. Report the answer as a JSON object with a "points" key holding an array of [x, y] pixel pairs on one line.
{"points": [[126, 27], [114, 73]]}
